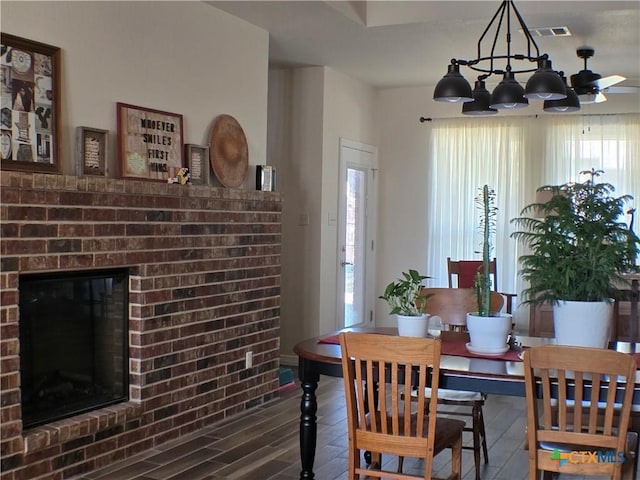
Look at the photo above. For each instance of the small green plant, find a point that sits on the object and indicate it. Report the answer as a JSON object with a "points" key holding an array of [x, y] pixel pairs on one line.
{"points": [[403, 296], [578, 243], [486, 203]]}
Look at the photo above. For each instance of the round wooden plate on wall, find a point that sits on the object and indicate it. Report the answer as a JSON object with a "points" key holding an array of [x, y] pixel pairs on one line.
{"points": [[229, 151]]}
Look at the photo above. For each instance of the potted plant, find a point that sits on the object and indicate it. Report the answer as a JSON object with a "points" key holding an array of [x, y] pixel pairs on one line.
{"points": [[578, 248], [407, 304], [488, 331]]}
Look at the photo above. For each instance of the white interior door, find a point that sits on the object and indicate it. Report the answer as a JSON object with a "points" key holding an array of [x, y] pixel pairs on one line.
{"points": [[357, 220]]}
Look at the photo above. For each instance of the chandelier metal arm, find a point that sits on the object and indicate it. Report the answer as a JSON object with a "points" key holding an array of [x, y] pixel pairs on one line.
{"points": [[500, 12], [527, 33], [473, 64]]}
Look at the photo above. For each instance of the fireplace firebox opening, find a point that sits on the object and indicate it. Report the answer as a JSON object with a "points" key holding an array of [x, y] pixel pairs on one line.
{"points": [[73, 343]]}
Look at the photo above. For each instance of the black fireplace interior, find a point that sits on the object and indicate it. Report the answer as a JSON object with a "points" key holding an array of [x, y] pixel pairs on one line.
{"points": [[73, 343]]}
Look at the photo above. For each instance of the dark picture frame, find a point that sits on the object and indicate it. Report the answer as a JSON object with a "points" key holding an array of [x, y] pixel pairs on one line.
{"points": [[198, 163], [92, 151], [150, 143], [30, 114], [265, 178]]}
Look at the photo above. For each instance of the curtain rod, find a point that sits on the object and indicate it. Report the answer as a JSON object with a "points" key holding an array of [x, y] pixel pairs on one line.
{"points": [[583, 115]]}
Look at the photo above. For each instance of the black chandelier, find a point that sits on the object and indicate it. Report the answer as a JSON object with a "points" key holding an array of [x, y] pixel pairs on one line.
{"points": [[545, 84]]}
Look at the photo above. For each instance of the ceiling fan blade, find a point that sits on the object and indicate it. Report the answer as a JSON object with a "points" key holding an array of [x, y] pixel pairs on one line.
{"points": [[591, 97], [600, 97], [608, 81], [621, 90]]}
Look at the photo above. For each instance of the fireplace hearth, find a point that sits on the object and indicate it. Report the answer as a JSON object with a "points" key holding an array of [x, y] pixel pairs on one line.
{"points": [[73, 343]]}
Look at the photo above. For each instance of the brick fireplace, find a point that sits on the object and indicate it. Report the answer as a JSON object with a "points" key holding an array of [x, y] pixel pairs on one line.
{"points": [[204, 286]]}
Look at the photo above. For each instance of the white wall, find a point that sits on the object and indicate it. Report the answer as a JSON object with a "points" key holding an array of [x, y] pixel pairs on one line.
{"points": [[349, 112], [323, 105], [180, 57], [299, 158]]}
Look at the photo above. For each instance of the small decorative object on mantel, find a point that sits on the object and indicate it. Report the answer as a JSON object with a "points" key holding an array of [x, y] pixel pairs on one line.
{"points": [[182, 177], [229, 151], [198, 163], [30, 85], [150, 145], [92, 152], [265, 178]]}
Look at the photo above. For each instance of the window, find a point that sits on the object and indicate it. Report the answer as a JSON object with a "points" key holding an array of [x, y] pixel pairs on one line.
{"points": [[515, 156]]}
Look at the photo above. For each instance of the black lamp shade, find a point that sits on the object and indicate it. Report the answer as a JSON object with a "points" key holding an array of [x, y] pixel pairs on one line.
{"points": [[481, 100], [509, 94], [565, 105], [545, 84], [453, 87]]}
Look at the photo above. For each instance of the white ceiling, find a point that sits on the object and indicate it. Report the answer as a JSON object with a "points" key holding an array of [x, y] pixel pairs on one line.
{"points": [[410, 43]]}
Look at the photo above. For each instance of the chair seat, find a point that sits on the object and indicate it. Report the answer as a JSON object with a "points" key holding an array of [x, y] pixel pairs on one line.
{"points": [[632, 445], [446, 428], [571, 403], [456, 395]]}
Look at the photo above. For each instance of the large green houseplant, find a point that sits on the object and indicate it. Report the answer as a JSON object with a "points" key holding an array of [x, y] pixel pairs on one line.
{"points": [[488, 331], [578, 247], [408, 304]]}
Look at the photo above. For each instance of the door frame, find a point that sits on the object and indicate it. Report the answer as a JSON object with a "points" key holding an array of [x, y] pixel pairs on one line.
{"points": [[371, 215]]}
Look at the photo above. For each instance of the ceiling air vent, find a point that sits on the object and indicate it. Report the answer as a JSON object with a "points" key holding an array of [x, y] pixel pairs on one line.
{"points": [[550, 32]]}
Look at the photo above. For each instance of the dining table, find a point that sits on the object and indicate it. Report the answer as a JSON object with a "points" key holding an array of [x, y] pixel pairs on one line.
{"points": [[500, 374]]}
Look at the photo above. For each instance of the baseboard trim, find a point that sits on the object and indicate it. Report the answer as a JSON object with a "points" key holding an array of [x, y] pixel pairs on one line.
{"points": [[289, 360]]}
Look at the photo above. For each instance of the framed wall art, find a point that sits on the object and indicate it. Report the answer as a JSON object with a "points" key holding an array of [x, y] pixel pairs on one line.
{"points": [[265, 178], [198, 163], [150, 143], [30, 113], [91, 151]]}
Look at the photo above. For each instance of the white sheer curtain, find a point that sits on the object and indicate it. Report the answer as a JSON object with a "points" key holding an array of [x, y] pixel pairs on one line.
{"points": [[610, 143], [514, 156]]}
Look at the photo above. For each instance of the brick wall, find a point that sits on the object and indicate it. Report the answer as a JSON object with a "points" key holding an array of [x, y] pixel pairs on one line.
{"points": [[204, 289]]}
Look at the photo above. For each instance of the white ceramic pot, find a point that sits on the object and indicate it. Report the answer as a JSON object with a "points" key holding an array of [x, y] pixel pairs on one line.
{"points": [[413, 326], [585, 324], [489, 335]]}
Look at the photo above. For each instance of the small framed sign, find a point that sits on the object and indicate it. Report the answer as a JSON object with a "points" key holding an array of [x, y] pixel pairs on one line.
{"points": [[92, 151], [150, 145], [198, 163], [265, 178], [30, 90]]}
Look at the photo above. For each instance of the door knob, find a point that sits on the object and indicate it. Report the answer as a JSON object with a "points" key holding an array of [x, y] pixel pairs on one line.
{"points": [[343, 263]]}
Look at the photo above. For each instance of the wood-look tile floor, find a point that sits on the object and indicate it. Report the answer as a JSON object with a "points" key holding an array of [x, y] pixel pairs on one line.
{"points": [[263, 445]]}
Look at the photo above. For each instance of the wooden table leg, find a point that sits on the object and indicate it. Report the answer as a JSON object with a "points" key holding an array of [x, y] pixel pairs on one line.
{"points": [[308, 421]]}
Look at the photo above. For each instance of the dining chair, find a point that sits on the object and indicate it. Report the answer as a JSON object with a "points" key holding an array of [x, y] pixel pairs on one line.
{"points": [[464, 273], [377, 370], [452, 306], [578, 410]]}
